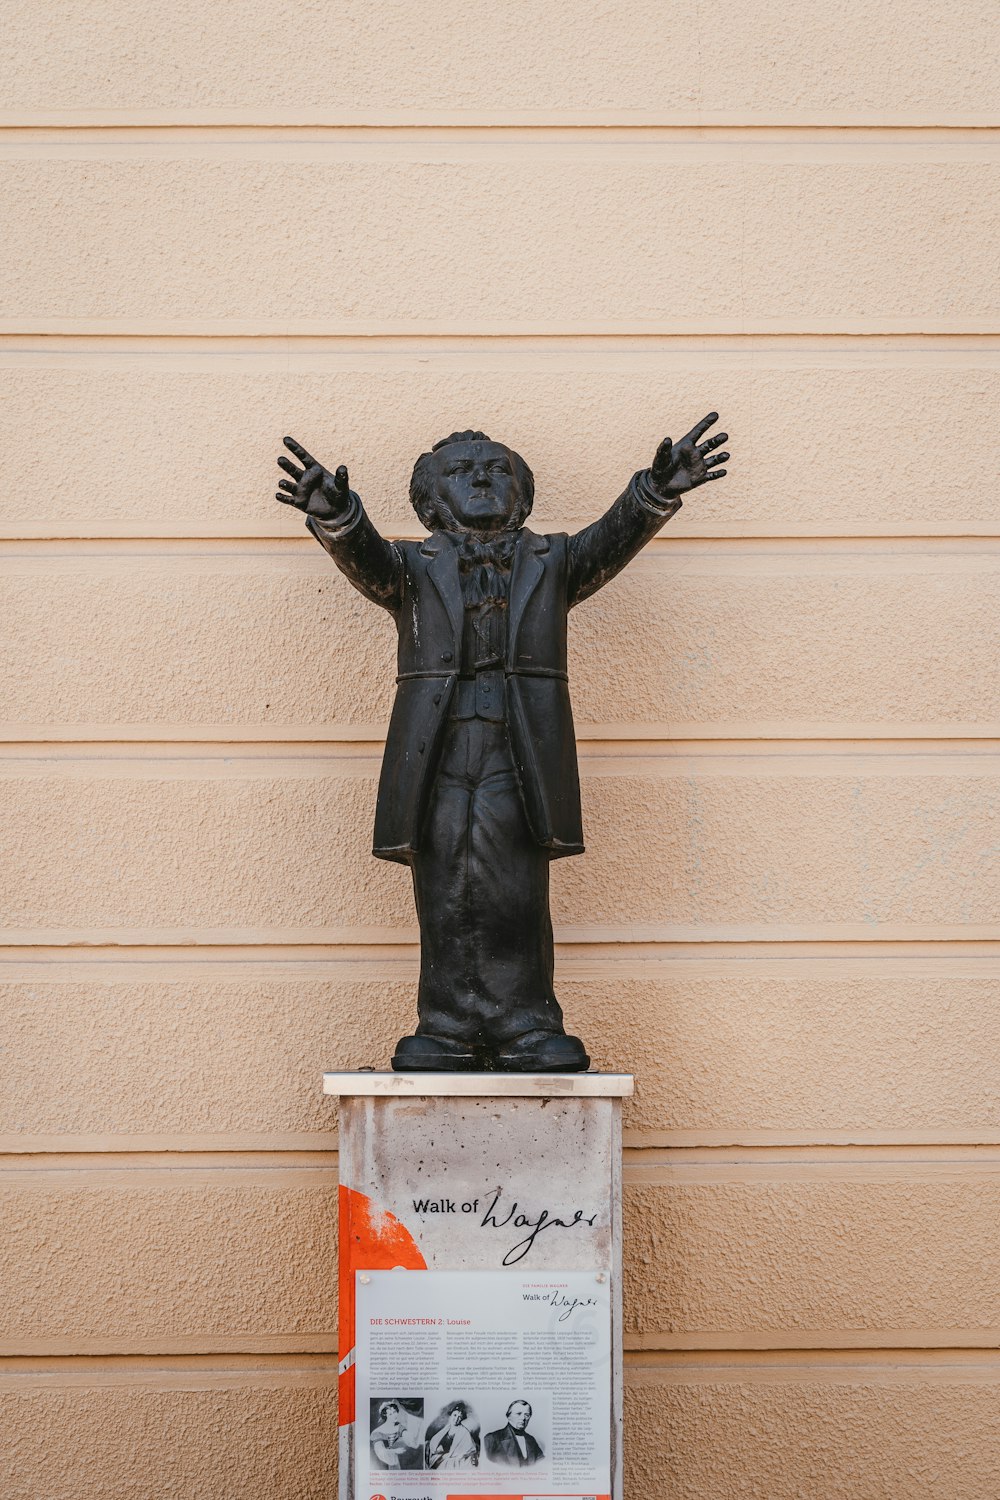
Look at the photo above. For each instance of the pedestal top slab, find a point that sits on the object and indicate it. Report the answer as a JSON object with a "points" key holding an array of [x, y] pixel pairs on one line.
{"points": [[483, 1085]]}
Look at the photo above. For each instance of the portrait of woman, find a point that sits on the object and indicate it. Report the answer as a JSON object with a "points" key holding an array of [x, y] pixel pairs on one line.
{"points": [[395, 1436], [453, 1438]]}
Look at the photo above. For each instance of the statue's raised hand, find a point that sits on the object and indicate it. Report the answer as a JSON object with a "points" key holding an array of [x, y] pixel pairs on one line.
{"points": [[312, 488], [679, 467]]}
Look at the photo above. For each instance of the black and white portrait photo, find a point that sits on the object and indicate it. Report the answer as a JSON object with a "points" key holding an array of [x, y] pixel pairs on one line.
{"points": [[396, 1432], [515, 1445], [452, 1438]]}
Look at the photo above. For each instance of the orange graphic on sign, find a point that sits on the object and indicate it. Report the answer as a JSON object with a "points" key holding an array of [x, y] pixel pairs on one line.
{"points": [[371, 1239]]}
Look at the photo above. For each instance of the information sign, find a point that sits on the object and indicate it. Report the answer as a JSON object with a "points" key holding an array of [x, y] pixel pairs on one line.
{"points": [[483, 1385]]}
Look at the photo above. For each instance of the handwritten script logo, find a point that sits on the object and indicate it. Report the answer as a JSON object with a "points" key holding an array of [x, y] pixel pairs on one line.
{"points": [[534, 1226]]}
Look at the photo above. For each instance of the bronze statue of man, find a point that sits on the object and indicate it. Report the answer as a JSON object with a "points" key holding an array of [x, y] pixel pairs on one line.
{"points": [[479, 786]]}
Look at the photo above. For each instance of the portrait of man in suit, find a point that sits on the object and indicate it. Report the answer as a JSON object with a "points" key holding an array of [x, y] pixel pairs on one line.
{"points": [[514, 1445], [479, 789]]}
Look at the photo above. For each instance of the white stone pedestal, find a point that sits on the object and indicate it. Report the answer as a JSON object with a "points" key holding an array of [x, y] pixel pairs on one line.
{"points": [[486, 1172]]}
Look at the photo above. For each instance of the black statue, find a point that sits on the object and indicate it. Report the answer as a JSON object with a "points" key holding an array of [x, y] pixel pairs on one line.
{"points": [[479, 786]]}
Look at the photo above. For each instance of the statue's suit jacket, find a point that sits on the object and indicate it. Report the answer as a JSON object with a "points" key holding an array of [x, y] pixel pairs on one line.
{"points": [[419, 583]]}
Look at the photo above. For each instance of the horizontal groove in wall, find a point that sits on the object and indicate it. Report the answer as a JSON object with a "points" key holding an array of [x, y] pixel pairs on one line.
{"points": [[286, 961], [579, 958], [288, 1372], [755, 556], [653, 760], [639, 940], [643, 1167], [168, 1371], [108, 540], [200, 1163], [29, 747], [59, 741], [806, 1145], [872, 326], [683, 121], [644, 1155], [472, 145], [812, 1338], [326, 1343], [471, 351], [809, 1145], [12, 1146], [886, 1366], [204, 740], [168, 1171], [681, 1169], [925, 1155], [294, 1344], [101, 536]]}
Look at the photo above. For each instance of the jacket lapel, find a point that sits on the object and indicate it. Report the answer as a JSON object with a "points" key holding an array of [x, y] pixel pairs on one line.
{"points": [[526, 574], [443, 571], [528, 569]]}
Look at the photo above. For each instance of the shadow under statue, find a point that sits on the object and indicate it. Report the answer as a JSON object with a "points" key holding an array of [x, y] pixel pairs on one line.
{"points": [[480, 787]]}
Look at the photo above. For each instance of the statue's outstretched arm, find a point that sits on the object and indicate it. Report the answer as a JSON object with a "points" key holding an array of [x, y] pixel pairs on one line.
{"points": [[337, 519], [653, 495]]}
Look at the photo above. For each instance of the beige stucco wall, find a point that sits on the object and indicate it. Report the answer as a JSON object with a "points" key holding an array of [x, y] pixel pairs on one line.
{"points": [[579, 228]]}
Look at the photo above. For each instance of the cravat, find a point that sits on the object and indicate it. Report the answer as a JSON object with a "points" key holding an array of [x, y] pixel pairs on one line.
{"points": [[483, 560], [485, 564]]}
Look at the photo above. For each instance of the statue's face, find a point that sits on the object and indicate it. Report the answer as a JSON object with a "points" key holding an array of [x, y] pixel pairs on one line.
{"points": [[478, 485]]}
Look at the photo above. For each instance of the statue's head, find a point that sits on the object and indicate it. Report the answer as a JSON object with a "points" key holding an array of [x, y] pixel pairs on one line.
{"points": [[468, 483]]}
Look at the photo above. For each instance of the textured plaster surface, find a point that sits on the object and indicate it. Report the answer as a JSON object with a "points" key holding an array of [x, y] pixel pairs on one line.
{"points": [[812, 1254], [827, 845], [689, 635], [113, 56], [258, 1438], [134, 1260], [583, 416], [131, 237], [713, 1046], [113, 1260], [861, 1436], [261, 1436]]}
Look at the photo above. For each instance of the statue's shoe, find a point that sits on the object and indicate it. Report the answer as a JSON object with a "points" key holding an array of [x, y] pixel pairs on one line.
{"points": [[543, 1052], [435, 1054]]}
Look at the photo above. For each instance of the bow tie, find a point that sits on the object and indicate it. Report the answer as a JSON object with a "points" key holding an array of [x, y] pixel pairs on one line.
{"points": [[497, 552]]}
